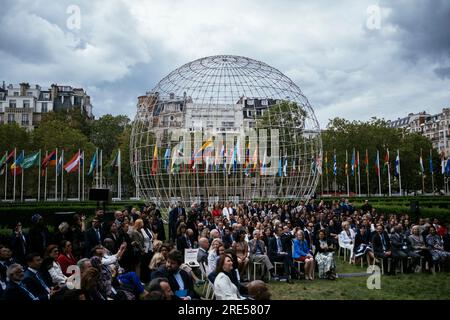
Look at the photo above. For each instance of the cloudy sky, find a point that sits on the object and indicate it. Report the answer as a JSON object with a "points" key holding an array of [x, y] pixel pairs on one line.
{"points": [[354, 59]]}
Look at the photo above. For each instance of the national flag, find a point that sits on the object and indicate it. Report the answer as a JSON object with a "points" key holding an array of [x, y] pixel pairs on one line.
{"points": [[285, 166], [377, 164], [73, 163], [421, 163], [366, 162], [93, 163], [50, 159], [255, 158], [431, 163], [386, 161], [263, 164], [5, 160], [353, 163], [293, 168], [192, 165], [442, 156], [447, 167], [155, 160], [326, 162], [114, 163], [167, 159], [357, 160], [346, 163], [59, 165], [318, 163], [334, 164], [15, 167], [280, 169], [31, 161], [177, 154], [397, 164]]}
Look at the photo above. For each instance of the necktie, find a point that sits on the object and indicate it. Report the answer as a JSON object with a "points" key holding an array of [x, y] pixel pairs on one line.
{"points": [[42, 283], [28, 292], [279, 244], [98, 235], [383, 242]]}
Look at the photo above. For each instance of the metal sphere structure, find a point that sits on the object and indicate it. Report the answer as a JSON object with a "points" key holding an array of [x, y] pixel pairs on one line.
{"points": [[225, 128]]}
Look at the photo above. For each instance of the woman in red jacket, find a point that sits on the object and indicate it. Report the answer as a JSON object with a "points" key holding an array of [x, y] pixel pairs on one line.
{"points": [[66, 258]]}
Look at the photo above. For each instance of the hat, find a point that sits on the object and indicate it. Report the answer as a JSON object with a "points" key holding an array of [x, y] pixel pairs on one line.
{"points": [[36, 217]]}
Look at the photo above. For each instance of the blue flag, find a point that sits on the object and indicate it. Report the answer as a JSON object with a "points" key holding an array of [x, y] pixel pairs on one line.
{"points": [[447, 167], [334, 165]]}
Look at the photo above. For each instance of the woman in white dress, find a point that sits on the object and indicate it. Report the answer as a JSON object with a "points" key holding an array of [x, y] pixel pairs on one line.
{"points": [[347, 238]]}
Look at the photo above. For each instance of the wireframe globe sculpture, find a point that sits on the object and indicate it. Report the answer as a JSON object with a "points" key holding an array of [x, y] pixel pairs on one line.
{"points": [[225, 128]]}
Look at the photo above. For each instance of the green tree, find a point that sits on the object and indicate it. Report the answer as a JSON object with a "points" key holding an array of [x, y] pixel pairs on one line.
{"points": [[105, 133], [13, 136]]}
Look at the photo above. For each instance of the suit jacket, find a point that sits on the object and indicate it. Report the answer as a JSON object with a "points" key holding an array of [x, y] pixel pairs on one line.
{"points": [[202, 256], [92, 240], [33, 284], [182, 244], [397, 243], [14, 292], [162, 272], [252, 247], [138, 237], [272, 251], [225, 289], [377, 244]]}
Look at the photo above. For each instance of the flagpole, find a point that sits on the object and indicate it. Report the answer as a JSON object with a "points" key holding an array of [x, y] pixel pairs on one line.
{"points": [[97, 176], [56, 176], [423, 173], [328, 186], [359, 175], [379, 172], [399, 172], [389, 172], [39, 177], [45, 180], [82, 179], [367, 173], [354, 170], [432, 172], [79, 175], [15, 171], [6, 175], [346, 172], [21, 186], [119, 178], [101, 168], [62, 175]]}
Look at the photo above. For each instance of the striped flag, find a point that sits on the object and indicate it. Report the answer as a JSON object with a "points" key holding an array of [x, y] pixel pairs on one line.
{"points": [[155, 160], [73, 163]]}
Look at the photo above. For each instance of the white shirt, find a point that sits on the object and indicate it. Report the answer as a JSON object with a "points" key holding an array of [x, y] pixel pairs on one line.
{"points": [[226, 212], [179, 279], [56, 273]]}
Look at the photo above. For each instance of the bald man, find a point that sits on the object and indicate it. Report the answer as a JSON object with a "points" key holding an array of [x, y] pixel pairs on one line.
{"points": [[257, 290], [203, 246]]}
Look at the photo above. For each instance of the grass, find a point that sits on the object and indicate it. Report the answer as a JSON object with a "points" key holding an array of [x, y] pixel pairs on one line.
{"points": [[400, 287]]}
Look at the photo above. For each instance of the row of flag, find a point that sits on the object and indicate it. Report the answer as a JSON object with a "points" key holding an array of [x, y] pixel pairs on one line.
{"points": [[20, 162], [172, 161]]}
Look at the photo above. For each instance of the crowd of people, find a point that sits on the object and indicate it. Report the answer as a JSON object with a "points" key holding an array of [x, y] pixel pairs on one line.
{"points": [[129, 256]]}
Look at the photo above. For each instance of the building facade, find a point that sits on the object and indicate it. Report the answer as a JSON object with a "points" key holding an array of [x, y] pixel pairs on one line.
{"points": [[435, 127], [24, 104]]}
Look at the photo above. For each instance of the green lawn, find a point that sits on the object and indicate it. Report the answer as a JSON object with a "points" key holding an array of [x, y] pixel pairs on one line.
{"points": [[400, 287]]}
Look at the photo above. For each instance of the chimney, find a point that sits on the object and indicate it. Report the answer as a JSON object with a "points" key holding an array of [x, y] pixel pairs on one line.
{"points": [[54, 92], [23, 88], [3, 85]]}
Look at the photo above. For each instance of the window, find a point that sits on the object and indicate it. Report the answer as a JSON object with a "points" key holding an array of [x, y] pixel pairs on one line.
{"points": [[250, 102], [11, 118], [12, 103], [25, 119], [44, 107], [16, 93], [1, 119], [26, 103], [264, 102], [46, 95], [29, 93]]}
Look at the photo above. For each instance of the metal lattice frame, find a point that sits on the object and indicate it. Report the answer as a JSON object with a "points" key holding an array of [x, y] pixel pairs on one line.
{"points": [[230, 100]]}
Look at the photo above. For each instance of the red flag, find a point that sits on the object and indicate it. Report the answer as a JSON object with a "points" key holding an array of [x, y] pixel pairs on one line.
{"points": [[48, 160], [72, 165]]}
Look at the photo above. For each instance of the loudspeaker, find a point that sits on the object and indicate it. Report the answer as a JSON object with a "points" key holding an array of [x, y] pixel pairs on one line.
{"points": [[100, 195]]}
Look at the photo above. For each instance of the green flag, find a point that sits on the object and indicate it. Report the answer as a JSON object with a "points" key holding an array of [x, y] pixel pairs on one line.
{"points": [[31, 161], [3, 159]]}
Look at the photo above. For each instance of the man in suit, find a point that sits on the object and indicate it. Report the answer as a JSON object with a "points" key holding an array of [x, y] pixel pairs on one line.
{"points": [[174, 215], [382, 245], [39, 236], [180, 281], [15, 290], [309, 234], [258, 253], [94, 236], [277, 253], [33, 280], [203, 246], [401, 250]]}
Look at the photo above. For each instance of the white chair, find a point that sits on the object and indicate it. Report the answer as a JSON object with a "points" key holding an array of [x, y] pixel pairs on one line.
{"points": [[342, 246], [255, 266]]}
